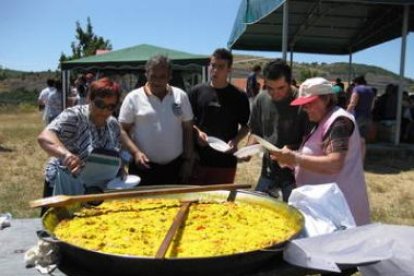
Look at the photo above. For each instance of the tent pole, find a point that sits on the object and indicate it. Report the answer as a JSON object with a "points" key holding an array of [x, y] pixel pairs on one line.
{"points": [[65, 87], [350, 68], [291, 57], [231, 72], [285, 29], [402, 69], [204, 74]]}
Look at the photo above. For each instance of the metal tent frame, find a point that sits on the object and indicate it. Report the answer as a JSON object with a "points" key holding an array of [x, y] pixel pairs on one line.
{"points": [[325, 27]]}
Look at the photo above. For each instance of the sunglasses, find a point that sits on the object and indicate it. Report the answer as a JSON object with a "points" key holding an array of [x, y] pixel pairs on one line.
{"points": [[99, 103]]}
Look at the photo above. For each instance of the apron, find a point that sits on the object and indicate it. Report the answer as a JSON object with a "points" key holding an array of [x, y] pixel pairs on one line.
{"points": [[350, 179]]}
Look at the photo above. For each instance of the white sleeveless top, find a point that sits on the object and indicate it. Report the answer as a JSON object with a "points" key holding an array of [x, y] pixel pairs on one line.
{"points": [[350, 178]]}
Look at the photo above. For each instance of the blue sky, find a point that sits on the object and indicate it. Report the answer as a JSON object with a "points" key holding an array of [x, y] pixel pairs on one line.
{"points": [[33, 34]]}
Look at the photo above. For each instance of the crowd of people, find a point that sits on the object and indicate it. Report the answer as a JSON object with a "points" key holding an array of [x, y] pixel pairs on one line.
{"points": [[320, 128]]}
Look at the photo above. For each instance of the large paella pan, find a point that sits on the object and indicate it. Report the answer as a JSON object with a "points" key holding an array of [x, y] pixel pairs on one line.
{"points": [[137, 262]]}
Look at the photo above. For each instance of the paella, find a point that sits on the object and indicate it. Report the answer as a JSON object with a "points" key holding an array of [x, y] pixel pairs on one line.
{"points": [[212, 228]]}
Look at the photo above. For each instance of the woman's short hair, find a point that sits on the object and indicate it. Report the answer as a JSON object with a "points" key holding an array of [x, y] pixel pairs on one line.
{"points": [[104, 87]]}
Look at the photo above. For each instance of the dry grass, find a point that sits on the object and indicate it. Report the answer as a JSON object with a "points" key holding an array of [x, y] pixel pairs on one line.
{"points": [[22, 161], [390, 188], [21, 173]]}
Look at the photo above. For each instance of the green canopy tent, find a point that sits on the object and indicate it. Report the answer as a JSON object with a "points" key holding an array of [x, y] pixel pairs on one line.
{"points": [[133, 59], [323, 27]]}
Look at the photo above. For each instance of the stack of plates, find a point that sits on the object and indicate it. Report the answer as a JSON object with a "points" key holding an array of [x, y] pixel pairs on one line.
{"points": [[118, 184], [217, 144]]}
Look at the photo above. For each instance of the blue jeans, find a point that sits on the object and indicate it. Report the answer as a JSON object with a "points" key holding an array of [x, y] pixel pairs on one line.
{"points": [[265, 185]]}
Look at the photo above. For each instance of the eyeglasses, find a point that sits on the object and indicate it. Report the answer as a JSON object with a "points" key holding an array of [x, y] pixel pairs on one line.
{"points": [[99, 103]]}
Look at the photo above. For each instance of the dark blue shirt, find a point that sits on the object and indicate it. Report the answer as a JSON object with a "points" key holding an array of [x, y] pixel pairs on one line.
{"points": [[364, 105]]}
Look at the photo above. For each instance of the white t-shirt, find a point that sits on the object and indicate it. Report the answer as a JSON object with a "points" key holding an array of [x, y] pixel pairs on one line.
{"points": [[43, 96], [157, 129], [45, 93]]}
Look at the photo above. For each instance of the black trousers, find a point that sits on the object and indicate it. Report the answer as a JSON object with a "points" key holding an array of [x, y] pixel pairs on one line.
{"points": [[157, 173]]}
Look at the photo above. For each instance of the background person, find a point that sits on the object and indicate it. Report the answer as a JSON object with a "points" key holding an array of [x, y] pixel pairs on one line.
{"points": [[42, 99], [340, 84], [83, 83], [281, 124], [339, 90], [252, 85], [407, 119], [220, 110], [158, 120], [361, 105], [332, 152], [54, 105], [81, 89], [76, 132]]}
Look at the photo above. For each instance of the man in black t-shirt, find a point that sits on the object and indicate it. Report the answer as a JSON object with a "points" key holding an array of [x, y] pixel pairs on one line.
{"points": [[281, 124], [220, 110]]}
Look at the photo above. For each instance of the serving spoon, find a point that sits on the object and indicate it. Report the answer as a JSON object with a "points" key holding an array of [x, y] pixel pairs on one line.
{"points": [[62, 200], [178, 221]]}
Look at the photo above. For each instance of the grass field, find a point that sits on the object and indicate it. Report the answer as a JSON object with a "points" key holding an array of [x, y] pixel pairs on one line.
{"points": [[390, 179]]}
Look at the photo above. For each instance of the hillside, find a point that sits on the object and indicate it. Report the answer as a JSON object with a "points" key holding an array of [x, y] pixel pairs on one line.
{"points": [[12, 80], [375, 76]]}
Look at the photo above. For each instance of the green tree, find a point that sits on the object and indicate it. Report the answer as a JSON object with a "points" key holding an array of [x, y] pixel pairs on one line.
{"points": [[306, 73], [87, 42], [3, 74]]}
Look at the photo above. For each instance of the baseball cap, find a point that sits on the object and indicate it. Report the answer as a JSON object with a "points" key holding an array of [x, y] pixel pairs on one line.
{"points": [[310, 89]]}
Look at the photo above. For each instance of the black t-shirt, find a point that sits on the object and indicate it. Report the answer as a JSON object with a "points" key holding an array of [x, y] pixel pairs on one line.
{"points": [[219, 113], [82, 90]]}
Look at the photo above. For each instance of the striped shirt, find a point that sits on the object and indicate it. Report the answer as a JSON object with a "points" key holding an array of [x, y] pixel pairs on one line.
{"points": [[80, 136]]}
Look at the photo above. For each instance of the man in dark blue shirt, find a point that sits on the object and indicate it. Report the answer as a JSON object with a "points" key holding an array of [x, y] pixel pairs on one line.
{"points": [[360, 105], [252, 85]]}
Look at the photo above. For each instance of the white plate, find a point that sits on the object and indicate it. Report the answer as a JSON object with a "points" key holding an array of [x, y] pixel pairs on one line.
{"points": [[217, 144], [248, 151], [118, 184], [266, 144]]}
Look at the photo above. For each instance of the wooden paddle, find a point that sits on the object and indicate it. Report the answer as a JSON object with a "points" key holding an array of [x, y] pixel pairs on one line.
{"points": [[62, 200], [178, 220]]}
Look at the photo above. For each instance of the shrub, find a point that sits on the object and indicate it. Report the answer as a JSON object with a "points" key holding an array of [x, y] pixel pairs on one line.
{"points": [[19, 96]]}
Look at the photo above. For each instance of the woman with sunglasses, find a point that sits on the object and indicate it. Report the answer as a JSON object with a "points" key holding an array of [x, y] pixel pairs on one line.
{"points": [[76, 133]]}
